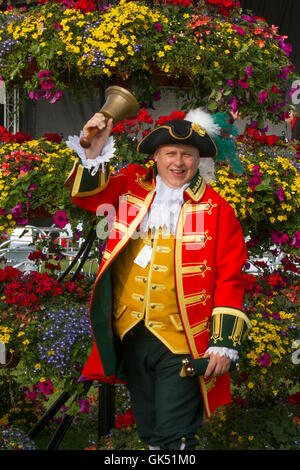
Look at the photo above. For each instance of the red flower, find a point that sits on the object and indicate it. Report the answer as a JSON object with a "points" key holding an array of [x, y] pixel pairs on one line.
{"points": [[174, 115], [53, 138], [295, 399], [125, 420], [85, 6]]}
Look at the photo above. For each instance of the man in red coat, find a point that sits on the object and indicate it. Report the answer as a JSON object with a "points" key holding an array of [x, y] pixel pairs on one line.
{"points": [[169, 289]]}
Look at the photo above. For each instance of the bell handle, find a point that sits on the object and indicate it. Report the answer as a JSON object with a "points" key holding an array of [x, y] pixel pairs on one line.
{"points": [[86, 141]]}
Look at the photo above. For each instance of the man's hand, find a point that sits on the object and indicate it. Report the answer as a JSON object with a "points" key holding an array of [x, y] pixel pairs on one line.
{"points": [[218, 365], [97, 121]]}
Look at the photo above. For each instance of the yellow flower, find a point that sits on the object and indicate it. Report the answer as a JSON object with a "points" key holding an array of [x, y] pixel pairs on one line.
{"points": [[160, 54], [250, 385]]}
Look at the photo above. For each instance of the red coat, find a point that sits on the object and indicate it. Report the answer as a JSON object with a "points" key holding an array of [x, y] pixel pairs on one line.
{"points": [[210, 253]]}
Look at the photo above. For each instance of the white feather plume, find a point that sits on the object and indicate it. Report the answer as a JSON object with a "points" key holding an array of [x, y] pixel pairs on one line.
{"points": [[204, 120]]}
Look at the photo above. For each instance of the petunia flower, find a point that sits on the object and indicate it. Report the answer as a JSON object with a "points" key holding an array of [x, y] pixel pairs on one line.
{"points": [[280, 193], [60, 219], [263, 96]]}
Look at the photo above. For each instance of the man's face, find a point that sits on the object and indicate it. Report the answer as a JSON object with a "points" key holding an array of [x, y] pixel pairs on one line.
{"points": [[177, 164]]}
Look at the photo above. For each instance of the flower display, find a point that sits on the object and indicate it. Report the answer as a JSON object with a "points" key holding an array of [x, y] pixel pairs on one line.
{"points": [[32, 174], [266, 198], [236, 60]]}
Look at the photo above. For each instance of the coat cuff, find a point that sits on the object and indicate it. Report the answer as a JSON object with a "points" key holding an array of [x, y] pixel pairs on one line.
{"points": [[83, 183], [230, 328]]}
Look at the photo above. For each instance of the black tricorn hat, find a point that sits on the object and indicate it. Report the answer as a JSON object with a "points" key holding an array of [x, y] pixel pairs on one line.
{"points": [[179, 131]]}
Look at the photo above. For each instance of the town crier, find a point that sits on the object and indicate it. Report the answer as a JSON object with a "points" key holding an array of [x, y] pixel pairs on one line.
{"points": [[169, 290]]}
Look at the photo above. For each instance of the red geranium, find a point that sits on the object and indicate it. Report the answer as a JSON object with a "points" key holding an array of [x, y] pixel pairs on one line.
{"points": [[86, 6], [174, 115], [125, 420]]}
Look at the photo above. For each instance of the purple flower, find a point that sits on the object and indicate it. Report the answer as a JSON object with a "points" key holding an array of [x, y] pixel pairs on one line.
{"points": [[60, 219], [255, 181], [285, 72], [35, 95], [276, 316], [47, 84], [249, 71], [157, 95], [280, 193], [84, 405], [287, 48], [16, 211], [45, 74], [32, 187], [57, 96], [296, 240], [45, 387], [279, 237], [230, 82], [233, 103], [2, 211], [239, 30], [256, 170], [243, 83], [32, 395], [263, 96], [264, 360]]}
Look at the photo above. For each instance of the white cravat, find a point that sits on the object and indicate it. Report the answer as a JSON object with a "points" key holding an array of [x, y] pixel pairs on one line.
{"points": [[165, 208]]}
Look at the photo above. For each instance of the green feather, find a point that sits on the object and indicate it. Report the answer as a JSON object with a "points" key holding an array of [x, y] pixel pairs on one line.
{"points": [[226, 143]]}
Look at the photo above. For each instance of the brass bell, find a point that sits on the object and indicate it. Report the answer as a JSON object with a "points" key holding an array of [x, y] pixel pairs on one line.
{"points": [[120, 104]]}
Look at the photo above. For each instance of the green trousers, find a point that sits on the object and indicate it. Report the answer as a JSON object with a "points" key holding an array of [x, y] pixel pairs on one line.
{"points": [[168, 408]]}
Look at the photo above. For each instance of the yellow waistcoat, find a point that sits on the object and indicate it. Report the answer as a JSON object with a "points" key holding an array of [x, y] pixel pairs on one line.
{"points": [[148, 293]]}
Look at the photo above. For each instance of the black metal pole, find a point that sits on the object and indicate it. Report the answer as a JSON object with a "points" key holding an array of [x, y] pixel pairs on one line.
{"points": [[85, 248], [66, 421], [106, 410], [52, 410]]}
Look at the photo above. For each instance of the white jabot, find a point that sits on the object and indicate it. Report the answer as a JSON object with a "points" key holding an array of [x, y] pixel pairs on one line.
{"points": [[92, 164], [165, 208]]}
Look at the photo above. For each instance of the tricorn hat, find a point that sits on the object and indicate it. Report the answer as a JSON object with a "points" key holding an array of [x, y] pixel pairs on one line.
{"points": [[179, 131], [213, 135]]}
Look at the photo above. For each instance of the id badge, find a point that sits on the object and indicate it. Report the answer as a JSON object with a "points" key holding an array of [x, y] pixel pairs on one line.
{"points": [[144, 256]]}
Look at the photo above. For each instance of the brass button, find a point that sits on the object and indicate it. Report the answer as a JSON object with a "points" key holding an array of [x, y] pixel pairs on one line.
{"points": [[145, 279], [141, 299], [138, 315], [153, 287], [153, 306], [150, 324], [156, 267]]}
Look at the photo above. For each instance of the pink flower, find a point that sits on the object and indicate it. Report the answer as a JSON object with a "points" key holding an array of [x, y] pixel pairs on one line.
{"points": [[296, 240], [84, 405], [243, 83], [263, 96], [31, 395], [264, 360], [158, 27], [47, 84], [249, 71], [280, 193], [57, 96], [45, 74], [45, 387], [60, 219], [279, 237]]}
